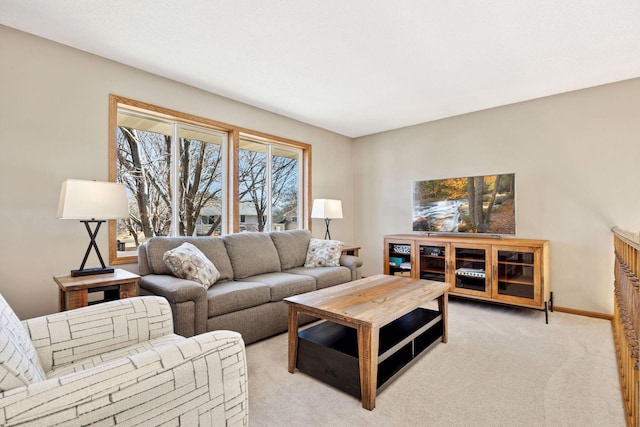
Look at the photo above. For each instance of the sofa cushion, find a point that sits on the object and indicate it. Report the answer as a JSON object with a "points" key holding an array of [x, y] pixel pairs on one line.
{"points": [[227, 297], [324, 276], [324, 253], [188, 262], [284, 285], [251, 254], [292, 247], [19, 363], [212, 247]]}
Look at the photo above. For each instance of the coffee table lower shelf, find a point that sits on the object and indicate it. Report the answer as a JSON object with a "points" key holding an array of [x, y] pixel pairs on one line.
{"points": [[329, 351]]}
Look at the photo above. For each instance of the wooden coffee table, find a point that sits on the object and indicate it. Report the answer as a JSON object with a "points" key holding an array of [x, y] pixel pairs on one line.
{"points": [[369, 306]]}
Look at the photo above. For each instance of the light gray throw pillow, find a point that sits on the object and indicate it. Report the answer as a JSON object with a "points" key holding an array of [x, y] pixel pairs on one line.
{"points": [[188, 262], [324, 253]]}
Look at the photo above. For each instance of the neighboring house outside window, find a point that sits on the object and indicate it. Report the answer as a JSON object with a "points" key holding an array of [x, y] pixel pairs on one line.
{"points": [[175, 168]]}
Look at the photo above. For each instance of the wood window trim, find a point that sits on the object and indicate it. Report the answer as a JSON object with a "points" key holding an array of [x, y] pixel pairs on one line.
{"points": [[234, 133]]}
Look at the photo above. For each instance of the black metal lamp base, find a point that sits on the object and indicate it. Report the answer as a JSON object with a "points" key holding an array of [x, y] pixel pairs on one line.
{"points": [[91, 271], [104, 269], [327, 235]]}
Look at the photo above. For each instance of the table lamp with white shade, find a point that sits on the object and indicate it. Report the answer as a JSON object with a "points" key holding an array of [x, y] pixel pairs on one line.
{"points": [[92, 202], [327, 209]]}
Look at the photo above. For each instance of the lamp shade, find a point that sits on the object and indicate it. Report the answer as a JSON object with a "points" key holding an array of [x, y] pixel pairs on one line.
{"points": [[92, 200], [326, 208]]}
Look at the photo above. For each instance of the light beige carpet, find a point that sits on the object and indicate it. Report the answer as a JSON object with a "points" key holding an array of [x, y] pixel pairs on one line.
{"points": [[502, 366]]}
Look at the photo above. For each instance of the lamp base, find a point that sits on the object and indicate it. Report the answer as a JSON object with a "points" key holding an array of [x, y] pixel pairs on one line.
{"points": [[91, 271], [327, 235]]}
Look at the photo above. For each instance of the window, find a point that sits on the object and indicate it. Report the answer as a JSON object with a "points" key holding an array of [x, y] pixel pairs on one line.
{"points": [[189, 176], [269, 185], [207, 220]]}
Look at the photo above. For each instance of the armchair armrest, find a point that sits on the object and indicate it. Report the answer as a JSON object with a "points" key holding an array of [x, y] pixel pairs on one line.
{"points": [[199, 381], [353, 263], [188, 300], [65, 337]]}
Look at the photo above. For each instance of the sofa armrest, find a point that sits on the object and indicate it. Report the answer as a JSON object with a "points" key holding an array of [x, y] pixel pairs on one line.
{"points": [[65, 337], [200, 381], [354, 264], [188, 300]]}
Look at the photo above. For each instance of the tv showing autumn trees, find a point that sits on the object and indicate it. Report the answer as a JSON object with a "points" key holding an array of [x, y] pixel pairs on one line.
{"points": [[475, 204]]}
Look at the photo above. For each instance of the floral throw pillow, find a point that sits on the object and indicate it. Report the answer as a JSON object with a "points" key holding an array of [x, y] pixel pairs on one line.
{"points": [[188, 262], [324, 253]]}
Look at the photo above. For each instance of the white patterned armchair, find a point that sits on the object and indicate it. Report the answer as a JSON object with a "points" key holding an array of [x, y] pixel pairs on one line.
{"points": [[118, 363]]}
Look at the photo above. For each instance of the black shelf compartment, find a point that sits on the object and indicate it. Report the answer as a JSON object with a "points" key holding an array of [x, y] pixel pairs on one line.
{"points": [[516, 289], [429, 275], [516, 257], [329, 351], [110, 293], [433, 263], [471, 283], [433, 251]]}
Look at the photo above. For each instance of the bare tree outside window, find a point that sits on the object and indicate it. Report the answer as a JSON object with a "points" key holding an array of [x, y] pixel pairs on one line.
{"points": [[201, 187], [284, 188], [254, 182], [144, 165]]}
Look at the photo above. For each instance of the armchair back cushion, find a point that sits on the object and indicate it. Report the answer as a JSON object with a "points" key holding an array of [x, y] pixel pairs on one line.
{"points": [[292, 247], [212, 247], [19, 363], [74, 335], [251, 254]]}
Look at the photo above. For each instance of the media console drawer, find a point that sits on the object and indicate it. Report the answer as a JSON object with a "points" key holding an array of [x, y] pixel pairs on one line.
{"points": [[329, 351]]}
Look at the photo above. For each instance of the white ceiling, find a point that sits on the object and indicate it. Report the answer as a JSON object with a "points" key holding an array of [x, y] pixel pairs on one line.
{"points": [[355, 67]]}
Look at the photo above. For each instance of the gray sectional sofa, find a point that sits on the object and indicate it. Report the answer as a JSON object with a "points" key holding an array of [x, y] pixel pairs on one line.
{"points": [[257, 270]]}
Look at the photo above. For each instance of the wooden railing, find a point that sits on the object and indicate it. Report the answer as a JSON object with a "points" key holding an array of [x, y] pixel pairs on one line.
{"points": [[626, 319]]}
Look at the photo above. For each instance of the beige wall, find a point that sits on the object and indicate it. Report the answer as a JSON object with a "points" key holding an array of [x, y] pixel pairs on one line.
{"points": [[53, 126], [575, 157]]}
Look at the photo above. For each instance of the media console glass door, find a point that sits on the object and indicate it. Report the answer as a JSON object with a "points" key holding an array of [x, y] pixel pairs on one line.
{"points": [[471, 272], [433, 262], [517, 275]]}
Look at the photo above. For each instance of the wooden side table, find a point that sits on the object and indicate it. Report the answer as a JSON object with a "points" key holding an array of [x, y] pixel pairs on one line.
{"points": [[74, 291], [351, 250]]}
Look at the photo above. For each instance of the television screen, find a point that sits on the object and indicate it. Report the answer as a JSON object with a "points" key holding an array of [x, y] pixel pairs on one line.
{"points": [[475, 204]]}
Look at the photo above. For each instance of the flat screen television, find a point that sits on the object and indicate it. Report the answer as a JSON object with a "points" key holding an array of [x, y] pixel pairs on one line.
{"points": [[475, 204]]}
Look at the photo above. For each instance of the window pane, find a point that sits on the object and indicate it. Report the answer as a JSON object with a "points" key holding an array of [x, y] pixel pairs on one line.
{"points": [[143, 148], [200, 181], [252, 185], [284, 189]]}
